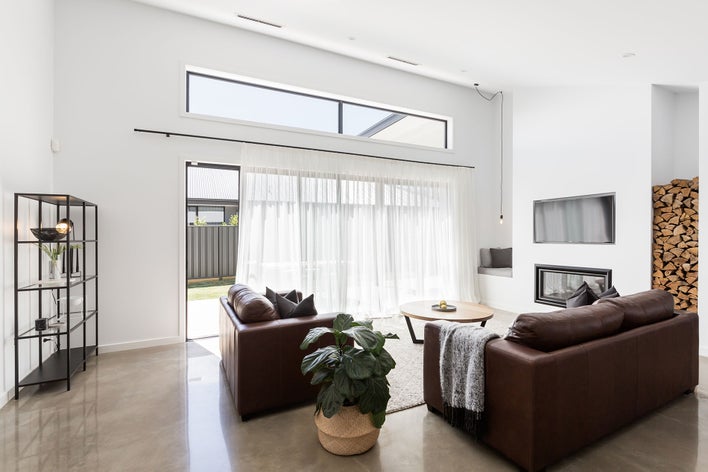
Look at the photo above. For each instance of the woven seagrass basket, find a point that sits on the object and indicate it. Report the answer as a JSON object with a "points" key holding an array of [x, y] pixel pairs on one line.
{"points": [[347, 433]]}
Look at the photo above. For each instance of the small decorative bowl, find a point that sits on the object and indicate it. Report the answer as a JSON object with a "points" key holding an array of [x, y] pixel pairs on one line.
{"points": [[448, 307], [47, 234]]}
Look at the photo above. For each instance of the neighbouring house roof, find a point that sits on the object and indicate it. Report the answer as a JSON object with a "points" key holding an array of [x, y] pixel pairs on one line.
{"points": [[206, 183]]}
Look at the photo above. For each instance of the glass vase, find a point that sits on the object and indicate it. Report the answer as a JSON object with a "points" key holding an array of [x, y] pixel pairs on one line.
{"points": [[53, 269]]}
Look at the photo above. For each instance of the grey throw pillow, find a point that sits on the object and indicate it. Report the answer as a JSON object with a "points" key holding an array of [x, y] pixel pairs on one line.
{"points": [[485, 257], [289, 309], [610, 293], [501, 257], [272, 296], [581, 297]]}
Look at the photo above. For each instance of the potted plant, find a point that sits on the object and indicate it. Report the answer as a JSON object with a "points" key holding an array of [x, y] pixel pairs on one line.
{"points": [[351, 404]]}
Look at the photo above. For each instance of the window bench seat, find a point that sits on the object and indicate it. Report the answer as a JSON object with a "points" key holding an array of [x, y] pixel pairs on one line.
{"points": [[496, 271]]}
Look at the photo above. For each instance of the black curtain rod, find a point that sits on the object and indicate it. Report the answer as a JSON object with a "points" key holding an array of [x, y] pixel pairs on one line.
{"points": [[231, 140]]}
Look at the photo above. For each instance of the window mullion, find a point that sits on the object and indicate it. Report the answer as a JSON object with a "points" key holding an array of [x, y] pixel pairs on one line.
{"points": [[341, 117]]}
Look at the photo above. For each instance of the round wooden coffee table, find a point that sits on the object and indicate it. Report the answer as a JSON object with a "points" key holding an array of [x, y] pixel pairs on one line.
{"points": [[467, 312]]}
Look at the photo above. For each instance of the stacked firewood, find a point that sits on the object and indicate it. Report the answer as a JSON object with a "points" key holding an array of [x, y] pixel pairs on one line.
{"points": [[675, 247]]}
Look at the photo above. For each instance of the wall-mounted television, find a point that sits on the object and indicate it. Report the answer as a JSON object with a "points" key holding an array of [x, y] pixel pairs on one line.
{"points": [[585, 219]]}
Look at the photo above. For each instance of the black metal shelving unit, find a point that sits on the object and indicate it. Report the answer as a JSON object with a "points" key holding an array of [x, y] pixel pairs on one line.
{"points": [[52, 298]]}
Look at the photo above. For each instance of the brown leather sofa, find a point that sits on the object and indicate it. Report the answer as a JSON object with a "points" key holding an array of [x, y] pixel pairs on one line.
{"points": [[261, 359], [560, 381]]}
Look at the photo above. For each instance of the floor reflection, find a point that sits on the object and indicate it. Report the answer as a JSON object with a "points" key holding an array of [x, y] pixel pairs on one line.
{"points": [[206, 442], [169, 409]]}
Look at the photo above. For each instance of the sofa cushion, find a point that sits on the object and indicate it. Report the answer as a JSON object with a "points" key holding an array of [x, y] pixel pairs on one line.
{"points": [[288, 309], [251, 306], [501, 257], [233, 291], [643, 308], [550, 331], [584, 295]]}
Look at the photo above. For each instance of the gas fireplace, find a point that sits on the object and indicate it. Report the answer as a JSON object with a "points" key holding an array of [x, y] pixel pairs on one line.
{"points": [[554, 284]]}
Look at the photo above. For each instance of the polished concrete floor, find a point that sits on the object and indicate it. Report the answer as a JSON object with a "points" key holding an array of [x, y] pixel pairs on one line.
{"points": [[168, 409]]}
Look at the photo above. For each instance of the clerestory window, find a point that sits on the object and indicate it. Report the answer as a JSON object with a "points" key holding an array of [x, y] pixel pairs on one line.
{"points": [[209, 94]]}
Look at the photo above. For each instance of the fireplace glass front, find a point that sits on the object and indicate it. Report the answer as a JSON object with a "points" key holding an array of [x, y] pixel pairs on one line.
{"points": [[554, 284]]}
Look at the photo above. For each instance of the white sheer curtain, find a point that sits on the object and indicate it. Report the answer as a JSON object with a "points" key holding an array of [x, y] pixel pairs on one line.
{"points": [[363, 234]]}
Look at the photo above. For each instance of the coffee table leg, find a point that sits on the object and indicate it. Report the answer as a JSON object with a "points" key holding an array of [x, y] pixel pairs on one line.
{"points": [[484, 323], [410, 330]]}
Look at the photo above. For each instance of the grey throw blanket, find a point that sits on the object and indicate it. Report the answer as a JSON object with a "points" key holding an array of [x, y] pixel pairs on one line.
{"points": [[462, 374]]}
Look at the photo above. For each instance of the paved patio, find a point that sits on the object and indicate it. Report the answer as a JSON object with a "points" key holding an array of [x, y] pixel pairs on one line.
{"points": [[202, 318]]}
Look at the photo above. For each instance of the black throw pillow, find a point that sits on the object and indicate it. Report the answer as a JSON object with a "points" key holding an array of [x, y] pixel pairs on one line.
{"points": [[272, 296], [289, 309], [610, 293], [501, 257], [292, 296], [581, 297]]}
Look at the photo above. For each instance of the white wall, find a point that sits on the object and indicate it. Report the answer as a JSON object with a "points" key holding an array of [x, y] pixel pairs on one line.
{"points": [[674, 134], [26, 123], [491, 233], [663, 104], [575, 141], [119, 66], [686, 135], [703, 220]]}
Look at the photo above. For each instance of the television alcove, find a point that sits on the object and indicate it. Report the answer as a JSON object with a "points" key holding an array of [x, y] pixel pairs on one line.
{"points": [[584, 219]]}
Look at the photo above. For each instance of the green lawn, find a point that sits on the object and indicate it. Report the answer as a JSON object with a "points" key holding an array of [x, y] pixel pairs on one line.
{"points": [[207, 289]]}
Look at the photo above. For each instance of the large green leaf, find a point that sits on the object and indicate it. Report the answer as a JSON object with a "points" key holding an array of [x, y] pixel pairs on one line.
{"points": [[376, 395], [363, 336], [358, 364], [378, 418], [366, 323], [313, 335], [330, 401], [358, 387], [321, 375], [340, 338], [342, 322], [318, 359], [380, 340], [343, 383], [384, 363]]}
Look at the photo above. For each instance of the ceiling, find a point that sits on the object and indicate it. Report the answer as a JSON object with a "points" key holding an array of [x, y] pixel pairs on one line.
{"points": [[499, 44]]}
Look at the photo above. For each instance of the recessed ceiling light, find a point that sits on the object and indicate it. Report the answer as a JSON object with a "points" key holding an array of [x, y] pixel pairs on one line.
{"points": [[256, 20], [628, 54], [410, 63]]}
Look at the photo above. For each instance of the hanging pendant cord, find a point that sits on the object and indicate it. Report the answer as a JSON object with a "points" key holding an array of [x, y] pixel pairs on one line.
{"points": [[489, 98]]}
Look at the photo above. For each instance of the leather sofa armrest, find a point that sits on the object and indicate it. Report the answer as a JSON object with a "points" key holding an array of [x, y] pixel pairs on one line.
{"points": [[266, 360], [512, 373], [432, 394]]}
